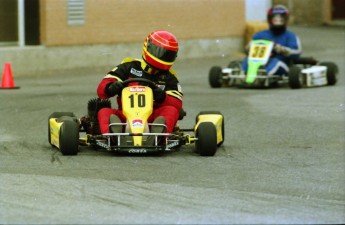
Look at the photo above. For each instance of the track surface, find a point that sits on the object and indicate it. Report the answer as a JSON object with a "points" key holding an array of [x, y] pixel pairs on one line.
{"points": [[283, 159]]}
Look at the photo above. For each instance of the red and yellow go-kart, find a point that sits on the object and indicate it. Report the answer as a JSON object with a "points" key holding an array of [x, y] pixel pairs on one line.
{"points": [[65, 130]]}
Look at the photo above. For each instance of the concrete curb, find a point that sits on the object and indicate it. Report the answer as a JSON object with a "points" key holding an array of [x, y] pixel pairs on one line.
{"points": [[37, 60]]}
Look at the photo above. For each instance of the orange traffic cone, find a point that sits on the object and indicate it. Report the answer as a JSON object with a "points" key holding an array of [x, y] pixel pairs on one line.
{"points": [[7, 78]]}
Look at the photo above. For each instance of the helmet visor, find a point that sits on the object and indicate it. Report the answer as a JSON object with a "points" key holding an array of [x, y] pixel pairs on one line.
{"points": [[161, 53]]}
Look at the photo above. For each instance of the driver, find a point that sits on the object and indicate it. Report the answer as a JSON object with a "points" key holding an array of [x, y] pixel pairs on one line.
{"points": [[287, 45], [158, 55]]}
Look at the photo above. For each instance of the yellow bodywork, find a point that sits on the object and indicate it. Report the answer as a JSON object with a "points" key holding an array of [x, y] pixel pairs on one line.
{"points": [[216, 119], [137, 104], [55, 132]]}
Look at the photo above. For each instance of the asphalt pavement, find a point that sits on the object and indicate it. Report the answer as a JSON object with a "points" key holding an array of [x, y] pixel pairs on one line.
{"points": [[282, 161]]}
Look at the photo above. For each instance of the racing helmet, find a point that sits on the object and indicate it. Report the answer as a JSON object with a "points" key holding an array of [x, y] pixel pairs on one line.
{"points": [[277, 18], [160, 50]]}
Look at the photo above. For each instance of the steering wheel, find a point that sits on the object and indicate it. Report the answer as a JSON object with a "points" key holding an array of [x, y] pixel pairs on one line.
{"points": [[142, 80]]}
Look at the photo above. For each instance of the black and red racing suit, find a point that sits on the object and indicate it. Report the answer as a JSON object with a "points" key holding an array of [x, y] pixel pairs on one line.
{"points": [[133, 68]]}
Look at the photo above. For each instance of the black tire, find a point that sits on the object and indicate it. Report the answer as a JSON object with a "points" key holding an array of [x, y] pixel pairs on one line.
{"points": [[332, 72], [206, 145], [57, 115], [217, 113], [69, 136], [215, 77], [295, 76]]}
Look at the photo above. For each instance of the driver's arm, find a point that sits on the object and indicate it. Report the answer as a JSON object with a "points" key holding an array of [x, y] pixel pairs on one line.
{"points": [[173, 98], [118, 74], [104, 87], [173, 94], [292, 48]]}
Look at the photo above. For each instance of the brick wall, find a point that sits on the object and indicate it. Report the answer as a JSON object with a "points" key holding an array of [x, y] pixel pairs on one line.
{"points": [[121, 21], [306, 12]]}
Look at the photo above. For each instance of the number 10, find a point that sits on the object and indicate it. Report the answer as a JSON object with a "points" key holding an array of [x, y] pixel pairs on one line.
{"points": [[141, 100]]}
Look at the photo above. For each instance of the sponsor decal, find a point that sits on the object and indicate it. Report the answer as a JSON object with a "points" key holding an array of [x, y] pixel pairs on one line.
{"points": [[173, 144], [136, 89], [161, 86], [137, 123], [179, 88], [141, 150], [101, 144], [136, 72]]}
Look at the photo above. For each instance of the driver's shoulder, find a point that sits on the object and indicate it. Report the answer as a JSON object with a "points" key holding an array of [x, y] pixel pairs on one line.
{"points": [[173, 73], [130, 60], [290, 33], [262, 34]]}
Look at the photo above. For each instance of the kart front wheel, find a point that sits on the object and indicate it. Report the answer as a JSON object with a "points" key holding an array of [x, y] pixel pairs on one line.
{"points": [[69, 136], [215, 77], [295, 77], [57, 115], [206, 133], [212, 113], [332, 72]]}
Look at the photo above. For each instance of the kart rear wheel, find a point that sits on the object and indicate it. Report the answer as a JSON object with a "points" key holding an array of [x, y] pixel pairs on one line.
{"points": [[295, 77], [69, 136], [57, 115], [217, 113], [215, 77], [332, 72], [206, 145]]}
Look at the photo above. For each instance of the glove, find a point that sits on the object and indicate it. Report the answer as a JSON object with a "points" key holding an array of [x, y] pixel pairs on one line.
{"points": [[281, 49], [158, 95], [114, 88]]}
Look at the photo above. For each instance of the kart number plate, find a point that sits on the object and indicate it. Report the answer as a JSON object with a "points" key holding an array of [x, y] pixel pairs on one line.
{"points": [[258, 51]]}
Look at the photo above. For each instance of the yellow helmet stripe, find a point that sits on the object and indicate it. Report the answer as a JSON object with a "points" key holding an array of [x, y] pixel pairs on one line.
{"points": [[158, 60], [153, 37]]}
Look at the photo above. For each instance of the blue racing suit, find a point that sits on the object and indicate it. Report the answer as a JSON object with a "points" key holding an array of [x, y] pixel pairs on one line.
{"points": [[277, 64]]}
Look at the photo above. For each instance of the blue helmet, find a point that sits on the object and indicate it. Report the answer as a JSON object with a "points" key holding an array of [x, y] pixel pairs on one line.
{"points": [[283, 12]]}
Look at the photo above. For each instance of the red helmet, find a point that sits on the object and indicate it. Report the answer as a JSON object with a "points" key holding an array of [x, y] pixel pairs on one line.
{"points": [[160, 49], [280, 14]]}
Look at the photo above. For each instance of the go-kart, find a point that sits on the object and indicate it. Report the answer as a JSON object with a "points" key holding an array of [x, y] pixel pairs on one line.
{"points": [[303, 72], [65, 130]]}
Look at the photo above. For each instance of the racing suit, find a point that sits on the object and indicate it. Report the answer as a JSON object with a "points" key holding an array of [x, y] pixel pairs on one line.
{"points": [[289, 45], [133, 68]]}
